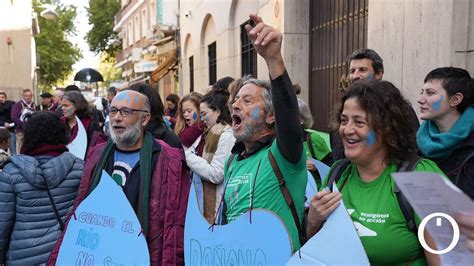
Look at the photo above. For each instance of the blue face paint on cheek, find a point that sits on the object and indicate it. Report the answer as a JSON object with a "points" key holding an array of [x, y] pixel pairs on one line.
{"points": [[370, 76], [256, 113], [437, 104], [195, 116], [371, 138]]}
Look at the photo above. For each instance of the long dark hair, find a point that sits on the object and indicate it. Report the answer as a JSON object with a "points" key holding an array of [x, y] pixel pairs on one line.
{"points": [[157, 108], [217, 100], [387, 114], [82, 106]]}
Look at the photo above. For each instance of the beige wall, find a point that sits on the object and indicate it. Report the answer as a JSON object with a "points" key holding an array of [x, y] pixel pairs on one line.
{"points": [[414, 37], [197, 31], [17, 60]]}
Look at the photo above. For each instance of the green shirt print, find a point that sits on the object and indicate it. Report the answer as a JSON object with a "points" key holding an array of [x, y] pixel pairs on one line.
{"points": [[377, 216]]}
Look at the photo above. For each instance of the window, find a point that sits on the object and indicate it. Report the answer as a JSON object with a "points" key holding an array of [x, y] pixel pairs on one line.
{"points": [[137, 29], [249, 55], [145, 25], [191, 74], [211, 52], [130, 33]]}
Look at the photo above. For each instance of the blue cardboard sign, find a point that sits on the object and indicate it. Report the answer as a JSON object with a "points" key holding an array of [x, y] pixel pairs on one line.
{"points": [[311, 186], [256, 238], [104, 230], [336, 243], [78, 146]]}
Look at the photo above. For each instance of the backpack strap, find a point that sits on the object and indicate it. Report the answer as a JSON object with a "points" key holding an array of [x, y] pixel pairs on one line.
{"points": [[287, 196], [336, 174], [231, 158], [407, 210], [223, 217]]}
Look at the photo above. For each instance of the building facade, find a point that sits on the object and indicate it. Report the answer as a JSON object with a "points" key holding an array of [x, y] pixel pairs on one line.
{"points": [[412, 37], [17, 47], [214, 43], [147, 32]]}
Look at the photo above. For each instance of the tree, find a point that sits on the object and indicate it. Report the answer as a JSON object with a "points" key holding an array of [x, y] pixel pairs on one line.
{"points": [[101, 16], [55, 53], [107, 69]]}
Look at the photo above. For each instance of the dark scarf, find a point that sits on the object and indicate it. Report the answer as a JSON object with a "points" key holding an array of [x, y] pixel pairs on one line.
{"points": [[45, 149], [145, 175]]}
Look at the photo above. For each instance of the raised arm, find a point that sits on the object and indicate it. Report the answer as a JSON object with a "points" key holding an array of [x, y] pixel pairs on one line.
{"points": [[267, 42]]}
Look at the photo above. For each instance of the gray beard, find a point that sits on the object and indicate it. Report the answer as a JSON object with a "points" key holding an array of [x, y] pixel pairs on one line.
{"points": [[129, 137], [247, 132]]}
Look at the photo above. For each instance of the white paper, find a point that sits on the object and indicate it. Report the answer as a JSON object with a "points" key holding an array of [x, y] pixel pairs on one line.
{"points": [[431, 193]]}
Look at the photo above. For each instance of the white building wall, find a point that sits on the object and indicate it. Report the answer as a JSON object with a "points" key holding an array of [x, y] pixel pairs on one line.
{"points": [[227, 16], [414, 37], [18, 59]]}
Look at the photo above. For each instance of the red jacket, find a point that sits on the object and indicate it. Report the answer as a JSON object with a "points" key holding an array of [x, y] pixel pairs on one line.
{"points": [[169, 190]]}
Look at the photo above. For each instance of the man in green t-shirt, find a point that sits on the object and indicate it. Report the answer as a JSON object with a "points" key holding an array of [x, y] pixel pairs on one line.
{"points": [[261, 112]]}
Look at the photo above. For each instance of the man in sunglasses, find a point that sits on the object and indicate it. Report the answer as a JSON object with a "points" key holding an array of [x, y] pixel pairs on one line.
{"points": [[151, 174]]}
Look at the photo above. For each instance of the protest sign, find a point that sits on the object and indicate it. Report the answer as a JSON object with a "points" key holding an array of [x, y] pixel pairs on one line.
{"points": [[336, 243], [256, 238], [78, 146], [104, 230]]}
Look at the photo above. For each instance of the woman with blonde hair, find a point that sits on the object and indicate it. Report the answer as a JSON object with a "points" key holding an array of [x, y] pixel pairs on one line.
{"points": [[189, 126]]}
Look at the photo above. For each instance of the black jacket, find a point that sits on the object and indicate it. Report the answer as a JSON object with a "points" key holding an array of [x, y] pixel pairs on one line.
{"points": [[459, 167]]}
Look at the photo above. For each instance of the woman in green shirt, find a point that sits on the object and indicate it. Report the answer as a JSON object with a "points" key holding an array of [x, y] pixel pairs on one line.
{"points": [[376, 138]]}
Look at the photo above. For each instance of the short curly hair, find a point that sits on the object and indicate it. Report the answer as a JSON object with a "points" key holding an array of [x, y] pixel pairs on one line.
{"points": [[387, 113], [44, 128]]}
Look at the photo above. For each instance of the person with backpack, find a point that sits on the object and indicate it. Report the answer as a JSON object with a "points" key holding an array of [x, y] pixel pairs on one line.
{"points": [[378, 141], [447, 133], [37, 192], [152, 175]]}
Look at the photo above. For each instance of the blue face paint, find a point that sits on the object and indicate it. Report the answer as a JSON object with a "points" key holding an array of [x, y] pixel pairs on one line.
{"points": [[437, 104], [123, 96], [371, 138], [195, 116], [370, 76], [137, 98], [256, 113]]}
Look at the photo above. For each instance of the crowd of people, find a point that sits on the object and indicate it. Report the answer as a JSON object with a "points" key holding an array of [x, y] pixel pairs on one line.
{"points": [[250, 144]]}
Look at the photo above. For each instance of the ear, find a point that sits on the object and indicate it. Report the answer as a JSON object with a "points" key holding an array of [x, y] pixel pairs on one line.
{"points": [[145, 119], [270, 119], [456, 99], [378, 76]]}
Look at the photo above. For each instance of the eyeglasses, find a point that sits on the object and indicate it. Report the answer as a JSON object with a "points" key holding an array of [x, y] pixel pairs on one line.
{"points": [[125, 111]]}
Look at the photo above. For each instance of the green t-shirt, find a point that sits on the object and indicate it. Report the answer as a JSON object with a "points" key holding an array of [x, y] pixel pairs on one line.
{"points": [[377, 216], [243, 179], [320, 146]]}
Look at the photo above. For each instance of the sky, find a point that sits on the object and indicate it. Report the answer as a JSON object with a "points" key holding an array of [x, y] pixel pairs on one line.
{"points": [[89, 59]]}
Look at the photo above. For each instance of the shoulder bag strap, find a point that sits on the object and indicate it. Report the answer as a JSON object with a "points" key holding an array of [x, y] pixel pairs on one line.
{"points": [[287, 196], [60, 221]]}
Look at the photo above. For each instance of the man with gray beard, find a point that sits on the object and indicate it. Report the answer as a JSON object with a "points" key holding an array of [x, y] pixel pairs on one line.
{"points": [[269, 169], [152, 175]]}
